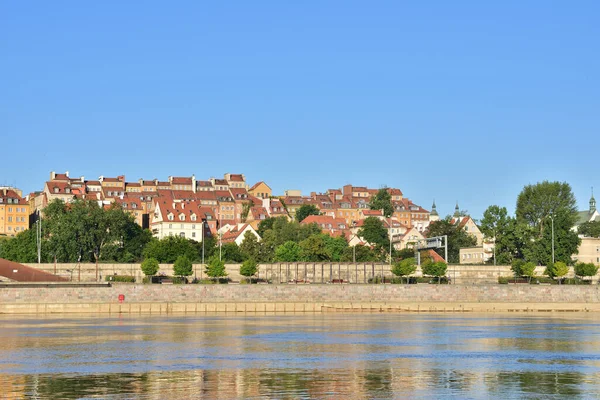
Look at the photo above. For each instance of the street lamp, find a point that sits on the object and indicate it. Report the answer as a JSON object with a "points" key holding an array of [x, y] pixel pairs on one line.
{"points": [[552, 219]]}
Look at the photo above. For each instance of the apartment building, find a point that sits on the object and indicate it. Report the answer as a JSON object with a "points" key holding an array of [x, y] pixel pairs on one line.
{"points": [[14, 212]]}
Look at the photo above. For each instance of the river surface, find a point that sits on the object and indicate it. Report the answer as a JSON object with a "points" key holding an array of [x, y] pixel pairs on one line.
{"points": [[336, 356]]}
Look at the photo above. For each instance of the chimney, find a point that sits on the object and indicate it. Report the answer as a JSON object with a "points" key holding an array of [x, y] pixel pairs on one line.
{"points": [[121, 178], [52, 175], [101, 178], [194, 183], [67, 173]]}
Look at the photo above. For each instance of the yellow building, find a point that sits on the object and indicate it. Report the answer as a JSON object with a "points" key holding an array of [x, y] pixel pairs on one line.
{"points": [[261, 190], [14, 212]]}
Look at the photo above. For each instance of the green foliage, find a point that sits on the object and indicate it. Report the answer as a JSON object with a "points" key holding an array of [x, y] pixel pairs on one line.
{"points": [[169, 248], [250, 247], [265, 225], [382, 201], [590, 229], [249, 268], [215, 268], [556, 270], [150, 266], [405, 267], [314, 248], [539, 207], [496, 225], [120, 278], [360, 253], [457, 238], [230, 252], [335, 247], [246, 210], [585, 269], [283, 231], [435, 269], [306, 210], [182, 266], [405, 253], [288, 252], [528, 269], [84, 231], [374, 232], [23, 247]]}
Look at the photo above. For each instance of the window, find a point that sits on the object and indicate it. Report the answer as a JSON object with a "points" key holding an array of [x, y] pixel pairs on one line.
{"points": [[133, 205], [170, 226], [9, 219], [181, 217], [193, 234], [182, 234], [182, 226], [170, 217], [9, 209], [56, 190], [193, 226]]}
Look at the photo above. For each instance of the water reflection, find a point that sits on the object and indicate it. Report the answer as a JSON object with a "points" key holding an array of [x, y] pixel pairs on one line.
{"points": [[299, 356]]}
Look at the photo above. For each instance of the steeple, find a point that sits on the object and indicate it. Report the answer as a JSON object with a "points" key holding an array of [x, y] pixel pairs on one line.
{"points": [[592, 203], [433, 209], [456, 211]]}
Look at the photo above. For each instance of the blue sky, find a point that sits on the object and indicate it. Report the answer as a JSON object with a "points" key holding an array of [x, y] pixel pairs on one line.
{"points": [[461, 100]]}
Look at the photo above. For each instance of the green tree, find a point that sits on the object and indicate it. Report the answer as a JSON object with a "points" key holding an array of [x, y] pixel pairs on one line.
{"points": [[585, 269], [306, 210], [250, 247], [374, 232], [249, 268], [167, 249], [182, 266], [590, 229], [215, 268], [382, 201], [457, 238], [498, 226], [288, 252], [538, 207], [231, 253], [556, 270], [435, 269], [360, 253], [265, 225], [314, 248], [406, 267], [528, 270], [335, 246], [150, 266]]}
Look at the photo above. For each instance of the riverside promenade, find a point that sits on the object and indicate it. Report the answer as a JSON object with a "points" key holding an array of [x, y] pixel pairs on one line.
{"points": [[302, 298]]}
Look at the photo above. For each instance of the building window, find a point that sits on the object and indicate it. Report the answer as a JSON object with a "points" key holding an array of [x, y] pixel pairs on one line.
{"points": [[193, 234], [170, 226], [9, 219], [182, 234]]}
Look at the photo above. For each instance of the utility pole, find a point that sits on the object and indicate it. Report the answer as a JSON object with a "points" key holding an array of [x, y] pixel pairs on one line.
{"points": [[552, 219]]}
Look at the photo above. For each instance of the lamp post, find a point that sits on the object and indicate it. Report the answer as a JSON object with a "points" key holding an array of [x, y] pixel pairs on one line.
{"points": [[552, 219]]}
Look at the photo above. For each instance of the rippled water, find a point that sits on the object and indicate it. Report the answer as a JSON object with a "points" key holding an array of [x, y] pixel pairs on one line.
{"points": [[300, 356]]}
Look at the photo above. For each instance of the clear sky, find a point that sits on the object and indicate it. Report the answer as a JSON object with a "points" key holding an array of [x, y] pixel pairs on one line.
{"points": [[452, 100]]}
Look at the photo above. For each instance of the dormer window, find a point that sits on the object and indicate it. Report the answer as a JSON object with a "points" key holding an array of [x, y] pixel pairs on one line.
{"points": [[67, 190], [56, 190], [124, 205], [193, 217], [133, 205], [109, 193], [181, 217], [170, 217]]}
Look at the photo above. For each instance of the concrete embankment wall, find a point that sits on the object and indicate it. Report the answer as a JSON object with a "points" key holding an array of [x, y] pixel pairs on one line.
{"points": [[285, 272], [297, 298]]}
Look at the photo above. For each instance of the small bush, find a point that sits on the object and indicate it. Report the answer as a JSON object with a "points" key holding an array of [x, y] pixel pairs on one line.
{"points": [[503, 280], [120, 278]]}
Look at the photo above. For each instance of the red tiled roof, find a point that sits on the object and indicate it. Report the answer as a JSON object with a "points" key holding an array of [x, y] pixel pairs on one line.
{"points": [[394, 192], [178, 180], [61, 186], [236, 177], [62, 177], [221, 182], [204, 183], [11, 194], [336, 223], [93, 183]]}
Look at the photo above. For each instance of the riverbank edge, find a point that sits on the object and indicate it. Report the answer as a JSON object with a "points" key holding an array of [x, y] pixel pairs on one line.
{"points": [[257, 308]]}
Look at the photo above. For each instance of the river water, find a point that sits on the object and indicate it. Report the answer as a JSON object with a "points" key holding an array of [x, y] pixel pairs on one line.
{"points": [[301, 356]]}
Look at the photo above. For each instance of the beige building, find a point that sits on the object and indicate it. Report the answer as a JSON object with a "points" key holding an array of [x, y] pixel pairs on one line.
{"points": [[589, 251], [14, 212], [260, 190]]}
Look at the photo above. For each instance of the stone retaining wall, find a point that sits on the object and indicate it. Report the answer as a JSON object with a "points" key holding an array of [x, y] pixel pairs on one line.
{"points": [[285, 272]]}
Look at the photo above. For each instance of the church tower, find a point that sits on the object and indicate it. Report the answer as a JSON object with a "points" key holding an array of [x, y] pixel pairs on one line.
{"points": [[433, 215]]}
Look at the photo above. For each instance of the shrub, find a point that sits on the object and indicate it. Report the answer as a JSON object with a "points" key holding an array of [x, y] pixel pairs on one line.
{"points": [[248, 268], [436, 269], [585, 269], [120, 278], [556, 270], [215, 268], [404, 268], [150, 266], [516, 267], [182, 266], [503, 280]]}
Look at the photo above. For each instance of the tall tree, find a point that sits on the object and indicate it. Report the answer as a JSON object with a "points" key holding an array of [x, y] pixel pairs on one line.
{"points": [[306, 210], [288, 252], [374, 232], [250, 247], [314, 248], [541, 207], [498, 226], [382, 201], [590, 229]]}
